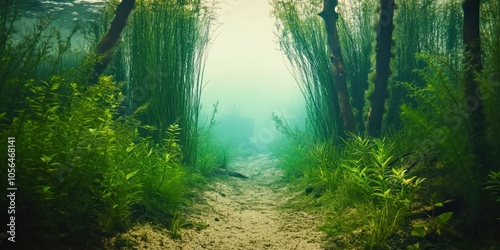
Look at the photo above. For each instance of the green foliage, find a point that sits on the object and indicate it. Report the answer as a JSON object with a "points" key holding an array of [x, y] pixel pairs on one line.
{"points": [[440, 121], [210, 153], [177, 223], [165, 178], [386, 189], [38, 51], [119, 195], [356, 35], [163, 53], [493, 184], [302, 38], [421, 26], [361, 183], [85, 170], [361, 180], [489, 79], [433, 226]]}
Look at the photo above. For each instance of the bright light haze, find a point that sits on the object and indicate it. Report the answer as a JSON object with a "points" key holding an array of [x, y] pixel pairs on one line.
{"points": [[245, 68]]}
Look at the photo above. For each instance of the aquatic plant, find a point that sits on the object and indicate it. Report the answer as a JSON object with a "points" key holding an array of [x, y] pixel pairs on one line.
{"points": [[446, 126], [362, 177], [177, 223], [489, 80], [86, 170], [23, 52], [421, 26], [442, 115], [164, 178], [163, 60], [302, 39], [212, 154], [434, 226], [493, 184], [356, 22]]}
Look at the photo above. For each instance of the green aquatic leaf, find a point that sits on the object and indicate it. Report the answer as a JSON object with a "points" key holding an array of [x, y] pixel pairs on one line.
{"points": [[130, 148], [150, 152], [46, 159], [130, 175], [444, 217], [419, 230]]}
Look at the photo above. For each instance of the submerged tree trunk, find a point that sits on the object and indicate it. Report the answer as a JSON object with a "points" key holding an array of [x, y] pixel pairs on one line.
{"points": [[382, 67], [330, 17], [473, 65], [103, 52]]}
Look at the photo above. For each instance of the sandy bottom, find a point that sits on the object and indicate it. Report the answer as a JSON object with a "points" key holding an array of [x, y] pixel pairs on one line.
{"points": [[240, 214]]}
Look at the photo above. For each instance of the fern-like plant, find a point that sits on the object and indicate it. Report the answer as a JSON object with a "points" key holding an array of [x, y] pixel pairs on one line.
{"points": [[493, 184]]}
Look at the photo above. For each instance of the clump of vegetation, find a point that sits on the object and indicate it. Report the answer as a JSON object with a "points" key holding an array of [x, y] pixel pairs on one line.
{"points": [[303, 42], [163, 55], [24, 53], [358, 181], [86, 169], [493, 184], [434, 226], [373, 188], [211, 156]]}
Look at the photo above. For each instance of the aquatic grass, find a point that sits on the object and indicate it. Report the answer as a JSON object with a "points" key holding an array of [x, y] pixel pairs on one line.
{"points": [[163, 59], [86, 170], [323, 172], [22, 52], [118, 195], [379, 180], [213, 154], [489, 79], [302, 39], [421, 26], [356, 36], [362, 177], [446, 127], [73, 168]]}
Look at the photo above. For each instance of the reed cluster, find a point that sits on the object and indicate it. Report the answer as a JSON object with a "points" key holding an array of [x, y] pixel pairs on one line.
{"points": [[303, 41], [427, 127], [85, 167], [162, 60]]}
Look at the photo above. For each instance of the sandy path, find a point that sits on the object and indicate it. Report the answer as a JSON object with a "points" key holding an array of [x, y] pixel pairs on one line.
{"points": [[242, 214]]}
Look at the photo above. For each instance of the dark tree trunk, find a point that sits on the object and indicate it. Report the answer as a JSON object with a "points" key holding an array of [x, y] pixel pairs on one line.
{"points": [[473, 65], [104, 50], [330, 17], [382, 67]]}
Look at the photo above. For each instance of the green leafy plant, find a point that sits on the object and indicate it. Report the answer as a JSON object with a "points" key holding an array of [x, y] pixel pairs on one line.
{"points": [[162, 59], [178, 222], [493, 184], [362, 183], [211, 152], [87, 170], [164, 178], [36, 52], [119, 194], [434, 226], [393, 192], [302, 39]]}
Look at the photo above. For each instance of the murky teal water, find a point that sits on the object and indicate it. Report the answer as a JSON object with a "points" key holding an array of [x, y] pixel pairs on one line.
{"points": [[65, 12]]}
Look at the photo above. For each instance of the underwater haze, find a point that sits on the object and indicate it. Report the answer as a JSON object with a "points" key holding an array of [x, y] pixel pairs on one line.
{"points": [[249, 124], [246, 73]]}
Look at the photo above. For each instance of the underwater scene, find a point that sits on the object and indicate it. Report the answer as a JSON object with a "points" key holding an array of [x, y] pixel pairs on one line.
{"points": [[249, 124]]}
